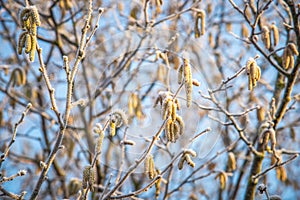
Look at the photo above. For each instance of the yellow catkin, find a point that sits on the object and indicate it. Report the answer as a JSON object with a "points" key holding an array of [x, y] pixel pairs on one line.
{"points": [[161, 73], [202, 17], [275, 34], [23, 76], [253, 72], [257, 73], [292, 61], [211, 40], [24, 17], [33, 48], [29, 19], [173, 112], [150, 167], [265, 36], [209, 8], [223, 180], [28, 43], [281, 173], [169, 131], [167, 107], [244, 31], [260, 114], [264, 138], [112, 127], [175, 130], [135, 106], [293, 49], [159, 2], [91, 179], [130, 105], [189, 161], [157, 186], [188, 82], [85, 177], [35, 15], [272, 138], [293, 134], [21, 42], [286, 58], [176, 62], [74, 186], [26, 23], [18, 76], [158, 5], [177, 104], [181, 162], [196, 27], [18, 79], [33, 29], [138, 108], [180, 124], [99, 142], [231, 162], [180, 71], [229, 27]]}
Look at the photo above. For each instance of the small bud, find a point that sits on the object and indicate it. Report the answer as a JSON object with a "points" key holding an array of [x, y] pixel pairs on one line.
{"points": [[128, 142], [22, 172], [196, 83]]}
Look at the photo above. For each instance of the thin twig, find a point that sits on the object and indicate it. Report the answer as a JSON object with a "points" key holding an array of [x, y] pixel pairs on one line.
{"points": [[13, 139]]}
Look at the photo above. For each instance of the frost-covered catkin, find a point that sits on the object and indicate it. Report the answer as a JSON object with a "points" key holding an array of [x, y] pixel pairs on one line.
{"points": [[180, 72], [253, 72], [33, 48], [202, 16], [186, 157], [100, 136], [28, 43], [174, 129], [199, 16], [265, 36], [150, 167], [275, 33], [288, 60], [88, 178], [189, 161], [21, 42], [188, 82], [157, 186], [244, 31], [29, 19]]}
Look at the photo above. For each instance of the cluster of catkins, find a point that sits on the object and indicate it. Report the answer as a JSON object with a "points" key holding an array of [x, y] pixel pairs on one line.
{"points": [[29, 18]]}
